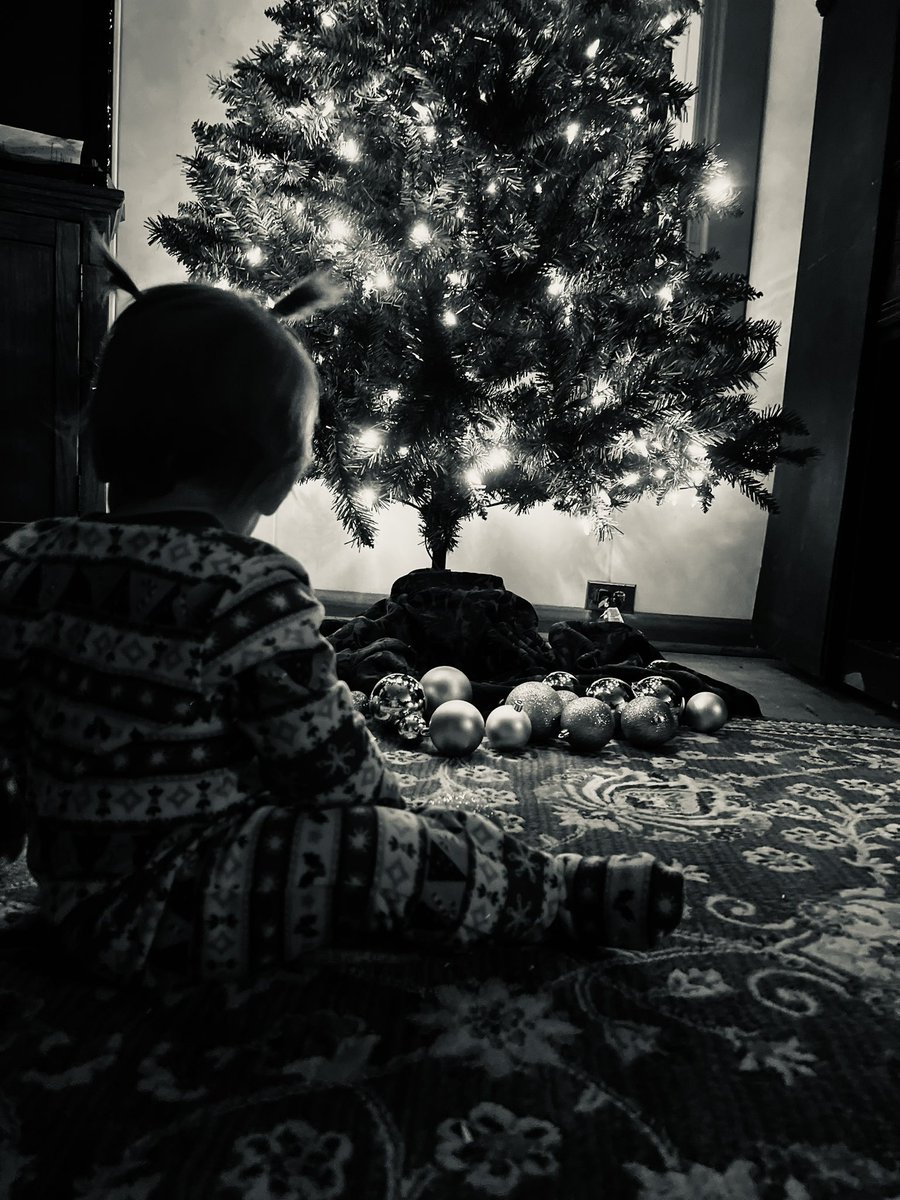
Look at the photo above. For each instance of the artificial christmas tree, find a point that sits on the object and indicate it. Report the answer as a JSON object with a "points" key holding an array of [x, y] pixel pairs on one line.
{"points": [[500, 188]]}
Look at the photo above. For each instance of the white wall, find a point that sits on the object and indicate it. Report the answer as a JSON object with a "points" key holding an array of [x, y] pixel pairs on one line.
{"points": [[682, 561]]}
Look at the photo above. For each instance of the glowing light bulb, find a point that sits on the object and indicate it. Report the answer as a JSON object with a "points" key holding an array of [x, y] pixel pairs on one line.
{"points": [[367, 497], [328, 106], [604, 499], [602, 393], [719, 190], [339, 229], [328, 19], [392, 395], [631, 479], [254, 255], [371, 438], [450, 318], [592, 49], [666, 294], [403, 451], [668, 21], [455, 278], [639, 446], [381, 281], [292, 51], [695, 450], [538, 188], [473, 478], [349, 148], [637, 112], [420, 234], [491, 187], [223, 284], [498, 457], [660, 473], [461, 212], [572, 131], [555, 287], [697, 477]]}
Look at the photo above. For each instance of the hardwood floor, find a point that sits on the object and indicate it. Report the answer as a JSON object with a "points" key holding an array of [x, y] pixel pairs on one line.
{"points": [[784, 695]]}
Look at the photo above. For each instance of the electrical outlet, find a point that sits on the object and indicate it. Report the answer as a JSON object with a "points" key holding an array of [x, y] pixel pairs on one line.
{"points": [[600, 596]]}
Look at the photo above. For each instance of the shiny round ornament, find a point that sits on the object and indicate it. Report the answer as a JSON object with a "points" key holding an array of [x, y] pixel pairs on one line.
{"points": [[508, 727], [587, 723], [663, 688], [394, 694], [361, 702], [543, 705], [705, 711], [647, 721], [412, 726], [612, 691], [562, 681], [445, 683], [456, 728]]}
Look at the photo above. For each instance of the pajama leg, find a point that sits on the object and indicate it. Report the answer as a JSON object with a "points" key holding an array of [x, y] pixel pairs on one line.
{"points": [[286, 881]]}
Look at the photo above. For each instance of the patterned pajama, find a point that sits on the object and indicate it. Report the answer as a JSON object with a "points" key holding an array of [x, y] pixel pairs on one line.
{"points": [[203, 799]]}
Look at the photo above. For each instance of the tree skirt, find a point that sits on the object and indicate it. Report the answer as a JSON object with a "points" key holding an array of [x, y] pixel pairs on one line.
{"points": [[753, 1055]]}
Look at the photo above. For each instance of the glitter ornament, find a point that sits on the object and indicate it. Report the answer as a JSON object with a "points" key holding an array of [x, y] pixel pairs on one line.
{"points": [[441, 684], [705, 712], [647, 721], [508, 727], [543, 705], [361, 702], [562, 681], [456, 728], [412, 726], [662, 687], [393, 695], [587, 723], [566, 697]]}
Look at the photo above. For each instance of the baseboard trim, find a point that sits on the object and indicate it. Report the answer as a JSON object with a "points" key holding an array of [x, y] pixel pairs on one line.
{"points": [[669, 631]]}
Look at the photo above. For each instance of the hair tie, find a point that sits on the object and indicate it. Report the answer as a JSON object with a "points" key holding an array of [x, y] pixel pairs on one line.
{"points": [[119, 277], [316, 291]]}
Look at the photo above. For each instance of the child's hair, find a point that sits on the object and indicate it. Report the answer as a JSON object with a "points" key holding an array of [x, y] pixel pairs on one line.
{"points": [[196, 383]]}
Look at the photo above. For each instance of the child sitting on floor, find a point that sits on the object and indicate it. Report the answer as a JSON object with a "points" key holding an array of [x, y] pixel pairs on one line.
{"points": [[199, 794]]}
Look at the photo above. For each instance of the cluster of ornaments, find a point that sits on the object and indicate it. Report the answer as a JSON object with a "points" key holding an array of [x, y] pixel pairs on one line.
{"points": [[646, 713]]}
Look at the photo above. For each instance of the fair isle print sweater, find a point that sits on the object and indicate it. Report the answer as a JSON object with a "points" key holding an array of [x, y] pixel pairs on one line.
{"points": [[146, 669]]}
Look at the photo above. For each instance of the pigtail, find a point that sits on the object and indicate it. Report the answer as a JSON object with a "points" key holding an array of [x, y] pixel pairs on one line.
{"points": [[119, 278], [316, 292]]}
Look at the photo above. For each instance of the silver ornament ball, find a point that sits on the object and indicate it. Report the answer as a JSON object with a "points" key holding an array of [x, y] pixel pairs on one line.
{"points": [[456, 728], [647, 721], [705, 712], [508, 727], [394, 694], [441, 684], [587, 723], [543, 705]]}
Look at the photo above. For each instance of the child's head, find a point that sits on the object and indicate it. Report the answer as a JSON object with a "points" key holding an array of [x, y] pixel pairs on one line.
{"points": [[199, 385]]}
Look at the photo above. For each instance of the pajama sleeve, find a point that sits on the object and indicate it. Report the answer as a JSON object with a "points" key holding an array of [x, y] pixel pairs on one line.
{"points": [[267, 655]]}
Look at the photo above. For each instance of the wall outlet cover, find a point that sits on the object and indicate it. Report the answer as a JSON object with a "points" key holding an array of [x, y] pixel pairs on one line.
{"points": [[600, 596]]}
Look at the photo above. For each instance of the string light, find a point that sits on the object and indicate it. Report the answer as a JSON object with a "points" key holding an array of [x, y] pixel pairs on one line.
{"points": [[572, 131], [719, 190], [639, 446], [695, 450], [223, 284], [339, 229], [328, 106], [668, 21], [660, 473], [328, 19], [371, 438], [380, 281], [538, 188], [498, 457], [603, 393], [292, 51], [473, 478], [254, 256], [455, 278], [638, 112], [450, 318], [420, 234], [666, 294], [367, 497], [492, 187], [403, 451], [429, 132], [592, 49], [555, 287], [632, 479], [697, 477], [392, 395], [349, 148]]}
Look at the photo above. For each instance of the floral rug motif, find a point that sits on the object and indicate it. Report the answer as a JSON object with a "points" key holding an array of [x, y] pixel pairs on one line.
{"points": [[754, 1055]]}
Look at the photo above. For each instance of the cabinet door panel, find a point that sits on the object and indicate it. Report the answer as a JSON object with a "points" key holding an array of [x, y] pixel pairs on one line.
{"points": [[39, 281]]}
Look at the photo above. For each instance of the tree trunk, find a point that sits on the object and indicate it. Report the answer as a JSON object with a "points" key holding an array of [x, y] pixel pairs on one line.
{"points": [[439, 558]]}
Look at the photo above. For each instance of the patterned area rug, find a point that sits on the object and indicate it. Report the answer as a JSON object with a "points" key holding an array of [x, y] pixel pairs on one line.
{"points": [[754, 1056]]}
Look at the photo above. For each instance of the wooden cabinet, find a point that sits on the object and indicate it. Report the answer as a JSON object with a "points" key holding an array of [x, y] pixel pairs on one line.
{"points": [[826, 600], [53, 316]]}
